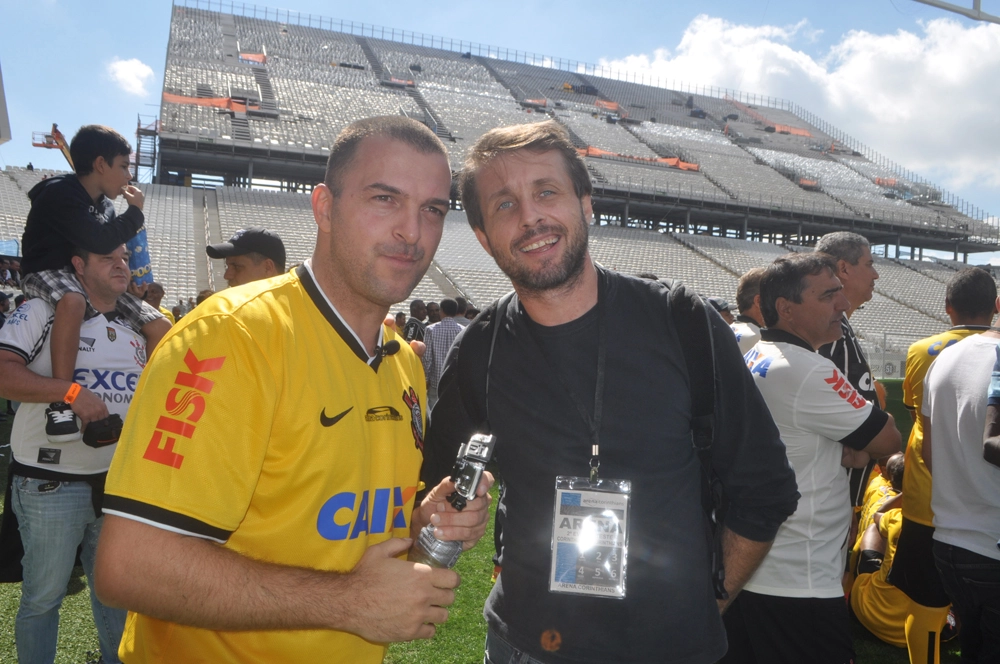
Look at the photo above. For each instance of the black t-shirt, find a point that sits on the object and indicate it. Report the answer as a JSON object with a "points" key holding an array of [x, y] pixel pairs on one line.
{"points": [[669, 613], [413, 330], [850, 358]]}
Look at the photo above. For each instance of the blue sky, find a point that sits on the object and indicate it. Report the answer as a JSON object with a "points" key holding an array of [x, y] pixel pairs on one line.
{"points": [[918, 84]]}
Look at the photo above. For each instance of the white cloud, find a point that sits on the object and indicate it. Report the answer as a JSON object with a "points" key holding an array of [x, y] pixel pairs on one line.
{"points": [[928, 100], [130, 75]]}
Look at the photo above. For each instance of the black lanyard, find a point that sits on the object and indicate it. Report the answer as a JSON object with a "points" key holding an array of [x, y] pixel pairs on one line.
{"points": [[593, 423]]}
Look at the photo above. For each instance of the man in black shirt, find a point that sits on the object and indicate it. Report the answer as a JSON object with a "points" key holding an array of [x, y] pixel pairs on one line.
{"points": [[414, 328], [856, 271], [581, 375]]}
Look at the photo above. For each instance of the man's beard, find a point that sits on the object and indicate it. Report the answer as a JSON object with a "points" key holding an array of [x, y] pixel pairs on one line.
{"points": [[550, 276]]}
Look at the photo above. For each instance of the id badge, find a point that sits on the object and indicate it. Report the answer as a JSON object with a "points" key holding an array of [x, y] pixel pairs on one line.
{"points": [[590, 537]]}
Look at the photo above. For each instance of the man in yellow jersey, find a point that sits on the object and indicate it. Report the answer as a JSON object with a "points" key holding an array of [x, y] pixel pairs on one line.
{"points": [[262, 499], [878, 605], [970, 302]]}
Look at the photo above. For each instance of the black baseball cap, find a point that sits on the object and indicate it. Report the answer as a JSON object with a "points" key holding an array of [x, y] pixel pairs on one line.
{"points": [[719, 304], [251, 240]]}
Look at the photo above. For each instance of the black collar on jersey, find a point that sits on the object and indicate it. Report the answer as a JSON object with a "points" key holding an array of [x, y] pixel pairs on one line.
{"points": [[746, 319], [982, 328], [780, 336], [312, 288]]}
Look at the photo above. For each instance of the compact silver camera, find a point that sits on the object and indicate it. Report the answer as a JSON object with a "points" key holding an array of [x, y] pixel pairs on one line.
{"points": [[468, 470]]}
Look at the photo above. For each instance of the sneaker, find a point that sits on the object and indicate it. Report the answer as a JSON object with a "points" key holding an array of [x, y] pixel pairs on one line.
{"points": [[103, 432], [61, 424]]}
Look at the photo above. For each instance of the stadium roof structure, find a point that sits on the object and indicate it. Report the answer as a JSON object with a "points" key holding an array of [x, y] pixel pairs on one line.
{"points": [[252, 93], [975, 12]]}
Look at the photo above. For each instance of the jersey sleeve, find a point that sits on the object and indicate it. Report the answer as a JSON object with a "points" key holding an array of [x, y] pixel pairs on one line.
{"points": [[197, 432], [913, 382], [994, 390], [890, 521], [828, 405], [25, 330]]}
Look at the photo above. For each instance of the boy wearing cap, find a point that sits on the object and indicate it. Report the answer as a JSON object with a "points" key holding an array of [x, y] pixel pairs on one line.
{"points": [[251, 254]]}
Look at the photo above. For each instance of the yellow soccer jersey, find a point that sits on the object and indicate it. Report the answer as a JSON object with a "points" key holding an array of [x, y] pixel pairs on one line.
{"points": [[880, 606], [878, 493], [916, 477], [260, 424]]}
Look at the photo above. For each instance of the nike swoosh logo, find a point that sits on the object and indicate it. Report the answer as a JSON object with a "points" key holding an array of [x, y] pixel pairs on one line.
{"points": [[330, 421]]}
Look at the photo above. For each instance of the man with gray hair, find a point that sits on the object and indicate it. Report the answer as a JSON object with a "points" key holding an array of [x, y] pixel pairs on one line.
{"points": [[792, 609], [856, 271]]}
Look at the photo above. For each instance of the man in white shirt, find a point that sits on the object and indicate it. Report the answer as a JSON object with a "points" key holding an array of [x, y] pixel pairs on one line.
{"points": [[747, 325], [792, 609], [57, 489], [965, 493]]}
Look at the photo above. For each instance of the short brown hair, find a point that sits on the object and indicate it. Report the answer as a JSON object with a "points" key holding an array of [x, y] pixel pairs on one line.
{"points": [[748, 289], [785, 277], [536, 137], [396, 127], [93, 141]]}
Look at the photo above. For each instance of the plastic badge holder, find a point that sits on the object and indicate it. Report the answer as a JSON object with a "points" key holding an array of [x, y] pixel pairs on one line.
{"points": [[590, 529]]}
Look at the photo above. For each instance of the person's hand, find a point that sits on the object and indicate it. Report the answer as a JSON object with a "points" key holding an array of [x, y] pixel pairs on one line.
{"points": [[419, 347], [466, 526], [139, 290], [133, 196], [850, 458], [89, 407], [398, 600]]}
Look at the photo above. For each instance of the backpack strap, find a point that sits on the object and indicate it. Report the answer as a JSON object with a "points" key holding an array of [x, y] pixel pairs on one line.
{"points": [[470, 366], [497, 323], [691, 320]]}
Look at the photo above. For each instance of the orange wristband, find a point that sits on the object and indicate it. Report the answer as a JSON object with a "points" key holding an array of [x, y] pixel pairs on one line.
{"points": [[72, 392]]}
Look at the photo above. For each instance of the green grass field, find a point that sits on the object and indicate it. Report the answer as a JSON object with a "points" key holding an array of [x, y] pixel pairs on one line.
{"points": [[459, 641]]}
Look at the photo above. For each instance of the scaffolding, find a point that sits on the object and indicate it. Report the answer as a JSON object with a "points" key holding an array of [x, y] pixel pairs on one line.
{"points": [[146, 132]]}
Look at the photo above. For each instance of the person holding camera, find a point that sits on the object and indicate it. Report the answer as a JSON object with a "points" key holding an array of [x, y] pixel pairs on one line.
{"points": [[583, 380]]}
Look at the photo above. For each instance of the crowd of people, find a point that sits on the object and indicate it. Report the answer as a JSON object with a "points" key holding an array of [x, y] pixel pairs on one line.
{"points": [[679, 483]]}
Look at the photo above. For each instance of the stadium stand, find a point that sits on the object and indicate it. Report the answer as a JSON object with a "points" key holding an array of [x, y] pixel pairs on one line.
{"points": [[856, 192], [737, 256], [236, 84], [595, 130], [14, 206], [289, 215], [933, 269], [170, 230], [462, 259], [912, 288], [624, 176], [631, 250]]}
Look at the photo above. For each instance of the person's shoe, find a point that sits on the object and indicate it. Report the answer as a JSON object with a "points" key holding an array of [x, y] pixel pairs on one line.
{"points": [[61, 424], [103, 432]]}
